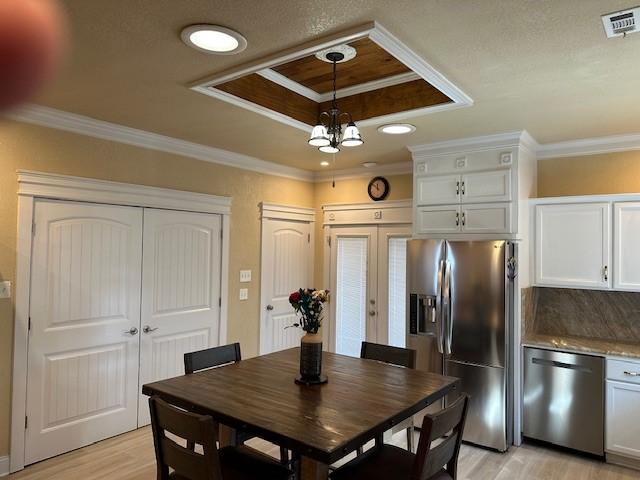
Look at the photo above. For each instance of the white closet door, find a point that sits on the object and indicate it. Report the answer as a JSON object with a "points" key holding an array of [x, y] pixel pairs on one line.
{"points": [[85, 313], [286, 266], [180, 293]]}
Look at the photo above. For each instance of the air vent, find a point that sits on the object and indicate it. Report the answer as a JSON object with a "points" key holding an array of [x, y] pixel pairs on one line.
{"points": [[619, 24]]}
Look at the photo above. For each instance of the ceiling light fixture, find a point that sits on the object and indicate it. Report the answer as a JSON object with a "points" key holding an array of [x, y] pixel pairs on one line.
{"points": [[213, 39], [324, 163], [397, 128], [327, 134]]}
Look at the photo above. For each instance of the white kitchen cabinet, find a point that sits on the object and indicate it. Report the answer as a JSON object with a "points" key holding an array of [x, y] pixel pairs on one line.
{"points": [[486, 218], [573, 245], [622, 435], [626, 251], [438, 190], [438, 220], [486, 187]]}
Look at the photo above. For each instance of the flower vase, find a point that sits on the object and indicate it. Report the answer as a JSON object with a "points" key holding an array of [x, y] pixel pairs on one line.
{"points": [[311, 360]]}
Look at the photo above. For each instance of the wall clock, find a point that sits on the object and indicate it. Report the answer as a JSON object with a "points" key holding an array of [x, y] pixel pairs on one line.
{"points": [[378, 188]]}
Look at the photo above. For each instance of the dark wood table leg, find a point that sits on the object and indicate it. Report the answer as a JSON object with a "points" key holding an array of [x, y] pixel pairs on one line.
{"points": [[313, 470], [226, 436]]}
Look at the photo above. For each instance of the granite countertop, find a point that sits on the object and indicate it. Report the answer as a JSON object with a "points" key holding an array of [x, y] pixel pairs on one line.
{"points": [[583, 345]]}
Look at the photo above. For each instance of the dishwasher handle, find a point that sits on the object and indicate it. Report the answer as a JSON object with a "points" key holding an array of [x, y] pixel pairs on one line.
{"points": [[556, 364]]}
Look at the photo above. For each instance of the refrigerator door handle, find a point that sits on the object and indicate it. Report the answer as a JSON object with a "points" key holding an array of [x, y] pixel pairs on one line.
{"points": [[439, 314], [446, 299]]}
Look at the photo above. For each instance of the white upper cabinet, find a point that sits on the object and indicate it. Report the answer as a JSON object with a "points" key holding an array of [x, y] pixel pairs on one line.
{"points": [[626, 251], [438, 190], [484, 187], [437, 220], [573, 245], [486, 218]]}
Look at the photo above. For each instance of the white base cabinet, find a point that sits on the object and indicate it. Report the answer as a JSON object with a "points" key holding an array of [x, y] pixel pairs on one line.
{"points": [[622, 435]]}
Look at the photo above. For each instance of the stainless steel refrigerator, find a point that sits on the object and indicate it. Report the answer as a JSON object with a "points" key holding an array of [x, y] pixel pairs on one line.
{"points": [[460, 299]]}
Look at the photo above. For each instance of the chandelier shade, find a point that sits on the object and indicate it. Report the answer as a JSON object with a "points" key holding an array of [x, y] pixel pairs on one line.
{"points": [[327, 135]]}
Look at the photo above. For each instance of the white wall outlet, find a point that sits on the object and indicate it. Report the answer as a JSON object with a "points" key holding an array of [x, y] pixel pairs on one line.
{"points": [[5, 289], [245, 276], [244, 294]]}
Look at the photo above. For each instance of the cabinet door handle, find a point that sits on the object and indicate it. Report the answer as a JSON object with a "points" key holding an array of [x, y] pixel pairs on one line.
{"points": [[458, 188], [457, 219], [464, 217], [605, 273], [463, 189], [632, 374]]}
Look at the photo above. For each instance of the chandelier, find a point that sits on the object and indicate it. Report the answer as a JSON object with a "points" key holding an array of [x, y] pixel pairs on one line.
{"points": [[327, 135]]}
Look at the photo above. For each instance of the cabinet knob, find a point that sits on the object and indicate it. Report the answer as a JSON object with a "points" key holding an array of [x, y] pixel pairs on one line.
{"points": [[605, 273]]}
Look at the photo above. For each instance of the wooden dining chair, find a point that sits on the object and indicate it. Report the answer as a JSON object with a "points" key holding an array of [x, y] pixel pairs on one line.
{"points": [[176, 462], [217, 357], [431, 462], [403, 357]]}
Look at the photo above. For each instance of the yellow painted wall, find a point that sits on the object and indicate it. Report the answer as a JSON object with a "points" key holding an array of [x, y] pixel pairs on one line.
{"points": [[589, 175], [34, 148]]}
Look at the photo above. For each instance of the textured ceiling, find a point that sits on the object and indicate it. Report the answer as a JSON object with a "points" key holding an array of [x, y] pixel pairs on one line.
{"points": [[541, 65]]}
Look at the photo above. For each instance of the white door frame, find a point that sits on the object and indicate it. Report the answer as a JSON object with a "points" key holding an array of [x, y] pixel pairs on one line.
{"points": [[34, 185], [272, 211], [388, 213]]}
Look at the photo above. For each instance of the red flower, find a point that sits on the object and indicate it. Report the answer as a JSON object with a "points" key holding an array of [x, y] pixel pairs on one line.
{"points": [[294, 297]]}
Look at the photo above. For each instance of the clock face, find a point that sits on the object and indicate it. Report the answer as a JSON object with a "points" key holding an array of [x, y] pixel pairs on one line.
{"points": [[378, 188]]}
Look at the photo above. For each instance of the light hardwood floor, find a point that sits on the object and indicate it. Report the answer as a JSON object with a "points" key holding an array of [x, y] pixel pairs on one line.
{"points": [[131, 457]]}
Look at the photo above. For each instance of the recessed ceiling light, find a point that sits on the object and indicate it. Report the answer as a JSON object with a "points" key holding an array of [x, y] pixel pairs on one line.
{"points": [[369, 164], [397, 128], [324, 163], [213, 39]]}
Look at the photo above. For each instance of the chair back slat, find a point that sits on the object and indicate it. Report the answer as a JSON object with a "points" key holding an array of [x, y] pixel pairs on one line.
{"points": [[195, 429], [403, 357], [211, 357], [431, 460]]}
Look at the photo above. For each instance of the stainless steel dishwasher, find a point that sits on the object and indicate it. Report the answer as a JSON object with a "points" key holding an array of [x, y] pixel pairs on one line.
{"points": [[564, 399]]}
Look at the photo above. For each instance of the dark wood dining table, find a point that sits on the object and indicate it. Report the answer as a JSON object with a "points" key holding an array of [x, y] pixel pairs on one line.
{"points": [[323, 423]]}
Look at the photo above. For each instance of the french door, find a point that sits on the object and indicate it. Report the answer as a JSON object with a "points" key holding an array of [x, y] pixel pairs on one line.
{"points": [[368, 285], [118, 295]]}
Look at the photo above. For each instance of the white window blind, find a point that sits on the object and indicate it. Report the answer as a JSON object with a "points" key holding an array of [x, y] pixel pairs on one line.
{"points": [[351, 295], [397, 291]]}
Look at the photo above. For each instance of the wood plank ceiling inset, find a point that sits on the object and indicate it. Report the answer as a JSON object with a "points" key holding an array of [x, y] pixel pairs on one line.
{"points": [[372, 62], [260, 91]]}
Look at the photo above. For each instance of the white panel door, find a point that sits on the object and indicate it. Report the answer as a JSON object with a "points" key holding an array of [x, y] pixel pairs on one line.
{"points": [[392, 284], [438, 190], [180, 294], [85, 315], [573, 245], [445, 219], [286, 266], [626, 252], [354, 256], [486, 187], [486, 218], [622, 425]]}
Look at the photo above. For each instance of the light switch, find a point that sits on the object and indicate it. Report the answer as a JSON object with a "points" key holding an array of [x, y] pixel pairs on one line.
{"points": [[245, 276], [244, 294], [5, 289]]}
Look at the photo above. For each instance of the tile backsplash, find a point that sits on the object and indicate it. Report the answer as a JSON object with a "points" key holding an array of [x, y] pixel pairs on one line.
{"points": [[582, 313]]}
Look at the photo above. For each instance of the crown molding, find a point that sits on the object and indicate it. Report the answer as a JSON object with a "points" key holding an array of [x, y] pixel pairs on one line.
{"points": [[79, 124], [277, 211], [590, 146], [399, 168], [475, 144]]}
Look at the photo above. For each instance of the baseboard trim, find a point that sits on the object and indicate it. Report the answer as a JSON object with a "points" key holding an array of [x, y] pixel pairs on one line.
{"points": [[4, 466], [623, 461]]}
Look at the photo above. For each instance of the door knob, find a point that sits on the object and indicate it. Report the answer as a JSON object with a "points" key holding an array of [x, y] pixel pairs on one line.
{"points": [[269, 307], [148, 329], [132, 331]]}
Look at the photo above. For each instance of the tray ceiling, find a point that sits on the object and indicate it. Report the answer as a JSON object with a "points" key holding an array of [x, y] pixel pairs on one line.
{"points": [[384, 81]]}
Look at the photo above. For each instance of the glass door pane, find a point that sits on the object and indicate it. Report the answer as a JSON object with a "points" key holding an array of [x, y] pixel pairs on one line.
{"points": [[351, 294], [397, 288]]}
